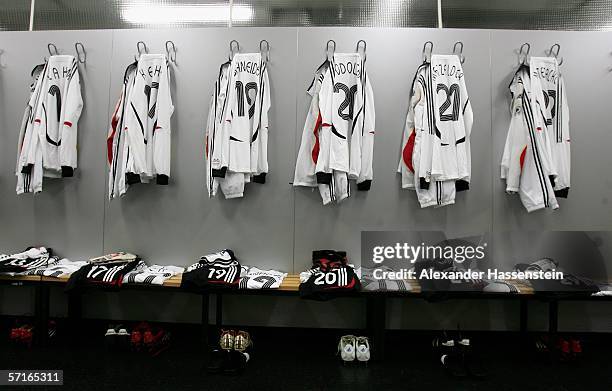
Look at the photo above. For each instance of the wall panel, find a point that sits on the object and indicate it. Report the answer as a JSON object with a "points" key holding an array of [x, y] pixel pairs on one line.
{"points": [[586, 70], [16, 213], [69, 213], [178, 223]]}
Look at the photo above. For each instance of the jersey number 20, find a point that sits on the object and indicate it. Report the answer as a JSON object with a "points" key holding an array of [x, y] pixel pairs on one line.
{"points": [[348, 102]]}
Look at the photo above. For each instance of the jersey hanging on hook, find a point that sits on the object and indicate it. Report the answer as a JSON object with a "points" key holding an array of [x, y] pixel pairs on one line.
{"points": [[338, 138], [139, 140], [526, 165], [549, 87], [237, 129], [48, 136], [435, 154]]}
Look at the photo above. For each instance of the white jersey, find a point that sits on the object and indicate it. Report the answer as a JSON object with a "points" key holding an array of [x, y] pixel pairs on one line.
{"points": [[453, 119], [526, 164], [154, 275], [29, 260], [237, 128], [49, 141], [254, 278], [308, 155], [139, 140], [29, 181], [545, 77], [338, 137], [419, 140], [117, 147]]}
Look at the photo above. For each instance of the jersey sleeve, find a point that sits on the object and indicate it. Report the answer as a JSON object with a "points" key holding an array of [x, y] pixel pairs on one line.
{"points": [[262, 158], [326, 95], [162, 133], [366, 174], [427, 136], [69, 130], [208, 140], [220, 154], [406, 162], [134, 129], [464, 153], [515, 148]]}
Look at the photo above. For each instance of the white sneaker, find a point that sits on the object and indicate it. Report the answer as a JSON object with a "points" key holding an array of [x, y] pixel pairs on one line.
{"points": [[346, 348], [363, 349]]}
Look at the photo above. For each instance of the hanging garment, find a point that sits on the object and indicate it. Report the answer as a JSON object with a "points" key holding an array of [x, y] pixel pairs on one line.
{"points": [[139, 140], [237, 126], [48, 133]]}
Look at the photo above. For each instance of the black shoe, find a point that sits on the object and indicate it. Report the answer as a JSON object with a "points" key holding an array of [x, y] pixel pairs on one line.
{"points": [[110, 338], [473, 365], [122, 339], [447, 354], [237, 362], [218, 361]]}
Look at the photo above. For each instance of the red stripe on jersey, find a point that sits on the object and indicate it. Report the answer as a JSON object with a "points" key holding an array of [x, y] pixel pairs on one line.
{"points": [[372, 132], [408, 151], [68, 124], [37, 120], [206, 147], [523, 157], [109, 146], [317, 146]]}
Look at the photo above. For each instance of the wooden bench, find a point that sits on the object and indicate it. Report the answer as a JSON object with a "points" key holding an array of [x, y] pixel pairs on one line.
{"points": [[375, 300]]}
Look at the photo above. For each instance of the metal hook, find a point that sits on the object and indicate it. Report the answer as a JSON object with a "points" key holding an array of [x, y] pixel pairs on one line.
{"points": [[267, 49], [52, 52], [231, 48], [80, 52], [554, 54], [171, 51], [144, 50], [460, 53], [330, 53], [427, 58], [365, 45], [524, 54]]}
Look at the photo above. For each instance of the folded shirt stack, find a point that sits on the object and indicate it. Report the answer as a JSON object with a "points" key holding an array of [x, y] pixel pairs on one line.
{"points": [[106, 271], [31, 259], [60, 269], [153, 275], [330, 276], [216, 270], [255, 278]]}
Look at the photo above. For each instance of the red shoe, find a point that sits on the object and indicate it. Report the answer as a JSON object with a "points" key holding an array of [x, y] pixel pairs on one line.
{"points": [[564, 349], [27, 334], [136, 340], [159, 342], [576, 346], [15, 334], [147, 338]]}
